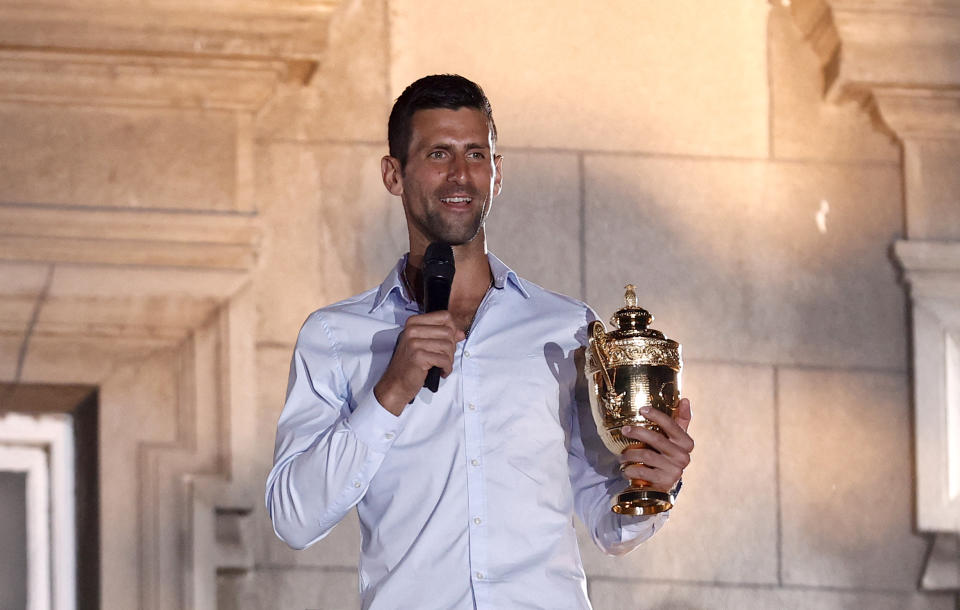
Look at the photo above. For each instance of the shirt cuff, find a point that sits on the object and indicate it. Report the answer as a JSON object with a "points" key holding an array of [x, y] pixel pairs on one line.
{"points": [[640, 528], [374, 426]]}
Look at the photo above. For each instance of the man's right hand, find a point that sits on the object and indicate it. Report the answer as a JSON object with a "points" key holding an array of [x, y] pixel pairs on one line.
{"points": [[427, 340]]}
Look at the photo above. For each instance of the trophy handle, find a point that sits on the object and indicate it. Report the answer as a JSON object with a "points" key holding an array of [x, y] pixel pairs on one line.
{"points": [[597, 340]]}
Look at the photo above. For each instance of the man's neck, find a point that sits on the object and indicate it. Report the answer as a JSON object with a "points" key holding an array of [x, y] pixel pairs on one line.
{"points": [[471, 281]]}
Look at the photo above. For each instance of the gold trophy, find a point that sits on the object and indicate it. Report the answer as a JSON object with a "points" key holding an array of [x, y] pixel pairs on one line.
{"points": [[626, 369]]}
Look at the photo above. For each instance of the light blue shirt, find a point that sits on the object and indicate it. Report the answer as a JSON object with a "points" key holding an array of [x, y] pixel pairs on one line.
{"points": [[466, 499]]}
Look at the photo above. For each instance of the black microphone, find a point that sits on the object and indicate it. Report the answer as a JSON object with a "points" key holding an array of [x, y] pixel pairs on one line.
{"points": [[438, 270]]}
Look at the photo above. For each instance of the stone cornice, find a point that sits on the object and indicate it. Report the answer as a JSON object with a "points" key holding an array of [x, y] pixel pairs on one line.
{"points": [[220, 54], [920, 113], [128, 237], [284, 28], [932, 268], [924, 256], [145, 277], [127, 79], [866, 46]]}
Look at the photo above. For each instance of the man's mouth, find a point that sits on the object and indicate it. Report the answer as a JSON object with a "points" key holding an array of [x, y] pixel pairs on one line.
{"points": [[456, 201]]}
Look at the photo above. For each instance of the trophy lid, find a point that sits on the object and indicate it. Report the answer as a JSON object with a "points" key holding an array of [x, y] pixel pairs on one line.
{"points": [[631, 320], [631, 343]]}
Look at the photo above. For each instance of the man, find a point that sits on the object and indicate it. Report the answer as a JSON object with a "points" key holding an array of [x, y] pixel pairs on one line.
{"points": [[466, 495]]}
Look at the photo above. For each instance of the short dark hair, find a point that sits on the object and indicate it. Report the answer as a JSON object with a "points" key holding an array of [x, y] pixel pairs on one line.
{"points": [[450, 91]]}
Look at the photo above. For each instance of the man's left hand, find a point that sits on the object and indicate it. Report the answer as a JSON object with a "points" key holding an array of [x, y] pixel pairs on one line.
{"points": [[661, 458]]}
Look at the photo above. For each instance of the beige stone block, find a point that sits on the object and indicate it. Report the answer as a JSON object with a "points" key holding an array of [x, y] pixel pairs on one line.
{"points": [[278, 589], [805, 125], [362, 227], [724, 527], [150, 318], [25, 279], [623, 595], [77, 359], [822, 262], [341, 548], [751, 261], [21, 285], [118, 157], [846, 480], [534, 226], [138, 409], [286, 283], [633, 76], [333, 231], [348, 97], [10, 355], [933, 189]]}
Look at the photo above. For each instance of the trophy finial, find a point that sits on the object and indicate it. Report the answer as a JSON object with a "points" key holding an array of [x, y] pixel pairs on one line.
{"points": [[631, 317]]}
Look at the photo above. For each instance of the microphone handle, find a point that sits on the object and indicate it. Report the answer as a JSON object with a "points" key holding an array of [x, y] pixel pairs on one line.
{"points": [[432, 382], [436, 297]]}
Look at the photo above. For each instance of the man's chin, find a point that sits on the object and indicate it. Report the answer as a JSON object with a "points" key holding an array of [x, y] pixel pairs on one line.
{"points": [[455, 237]]}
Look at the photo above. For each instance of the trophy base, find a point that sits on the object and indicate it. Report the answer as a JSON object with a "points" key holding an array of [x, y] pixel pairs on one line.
{"points": [[642, 502]]}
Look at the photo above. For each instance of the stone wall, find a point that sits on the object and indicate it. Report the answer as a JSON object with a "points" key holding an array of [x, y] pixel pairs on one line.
{"points": [[683, 146], [756, 218]]}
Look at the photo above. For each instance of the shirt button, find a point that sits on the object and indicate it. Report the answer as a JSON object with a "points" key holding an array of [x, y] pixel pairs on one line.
{"points": [[388, 436], [475, 462], [357, 484], [477, 520], [472, 407], [479, 575], [466, 354]]}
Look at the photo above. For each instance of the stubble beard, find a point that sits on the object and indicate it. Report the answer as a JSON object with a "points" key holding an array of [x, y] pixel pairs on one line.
{"points": [[438, 227]]}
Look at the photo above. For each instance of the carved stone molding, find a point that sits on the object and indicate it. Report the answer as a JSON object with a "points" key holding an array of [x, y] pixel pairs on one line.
{"points": [[118, 299], [916, 113], [100, 78], [866, 45], [169, 53], [258, 28], [129, 237], [932, 270], [119, 275]]}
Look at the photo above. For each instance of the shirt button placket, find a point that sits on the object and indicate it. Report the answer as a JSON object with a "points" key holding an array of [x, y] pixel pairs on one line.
{"points": [[476, 500]]}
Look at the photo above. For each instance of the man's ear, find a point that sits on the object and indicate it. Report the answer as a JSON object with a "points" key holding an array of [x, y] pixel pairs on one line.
{"points": [[498, 178], [392, 175]]}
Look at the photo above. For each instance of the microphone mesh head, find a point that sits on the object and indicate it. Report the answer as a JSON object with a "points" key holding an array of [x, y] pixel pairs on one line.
{"points": [[438, 252], [438, 261]]}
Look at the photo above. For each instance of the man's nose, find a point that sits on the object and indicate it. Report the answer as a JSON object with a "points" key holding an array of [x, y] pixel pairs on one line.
{"points": [[457, 172]]}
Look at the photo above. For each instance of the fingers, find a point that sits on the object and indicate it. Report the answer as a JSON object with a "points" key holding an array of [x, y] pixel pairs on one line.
{"points": [[659, 457], [660, 479], [671, 429], [638, 454], [684, 413], [427, 340], [437, 324]]}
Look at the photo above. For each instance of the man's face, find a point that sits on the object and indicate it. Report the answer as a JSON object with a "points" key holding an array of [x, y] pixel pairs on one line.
{"points": [[450, 178]]}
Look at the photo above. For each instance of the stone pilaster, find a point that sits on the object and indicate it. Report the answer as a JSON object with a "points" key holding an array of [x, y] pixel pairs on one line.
{"points": [[901, 60]]}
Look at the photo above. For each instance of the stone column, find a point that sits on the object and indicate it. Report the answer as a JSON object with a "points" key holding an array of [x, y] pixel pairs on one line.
{"points": [[901, 60]]}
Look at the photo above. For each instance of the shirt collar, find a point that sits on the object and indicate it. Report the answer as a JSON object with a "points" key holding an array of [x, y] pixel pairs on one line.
{"points": [[394, 281], [502, 274]]}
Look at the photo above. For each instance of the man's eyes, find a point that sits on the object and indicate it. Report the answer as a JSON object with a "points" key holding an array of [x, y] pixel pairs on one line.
{"points": [[442, 154]]}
